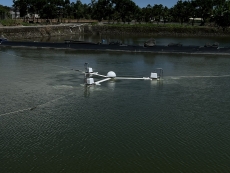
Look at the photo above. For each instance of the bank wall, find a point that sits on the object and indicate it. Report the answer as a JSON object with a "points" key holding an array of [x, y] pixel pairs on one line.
{"points": [[40, 31], [73, 29]]}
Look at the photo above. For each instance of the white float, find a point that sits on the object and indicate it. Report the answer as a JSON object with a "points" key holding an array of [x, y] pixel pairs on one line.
{"points": [[111, 74], [153, 75], [89, 81]]}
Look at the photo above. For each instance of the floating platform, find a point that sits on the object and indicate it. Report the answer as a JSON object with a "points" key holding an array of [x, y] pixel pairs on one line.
{"points": [[90, 46], [111, 75]]}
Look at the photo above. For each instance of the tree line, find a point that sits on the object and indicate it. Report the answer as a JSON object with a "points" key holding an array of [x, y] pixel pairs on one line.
{"points": [[215, 11], [4, 11]]}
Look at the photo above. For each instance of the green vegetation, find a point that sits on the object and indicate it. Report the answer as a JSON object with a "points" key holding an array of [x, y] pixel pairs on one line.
{"points": [[8, 22], [4, 12], [165, 29], [12, 22], [187, 13], [216, 12]]}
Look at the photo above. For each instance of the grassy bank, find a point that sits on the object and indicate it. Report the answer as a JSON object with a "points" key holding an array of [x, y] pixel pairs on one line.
{"points": [[161, 29], [10, 22]]}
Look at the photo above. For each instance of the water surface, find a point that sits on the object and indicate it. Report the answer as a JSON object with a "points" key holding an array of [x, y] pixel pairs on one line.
{"points": [[49, 122]]}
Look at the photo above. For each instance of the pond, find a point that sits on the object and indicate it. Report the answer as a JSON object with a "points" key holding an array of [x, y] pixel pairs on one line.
{"points": [[49, 122]]}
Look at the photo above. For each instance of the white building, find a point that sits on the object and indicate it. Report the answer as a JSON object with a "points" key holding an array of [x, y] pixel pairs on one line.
{"points": [[196, 19], [14, 14]]}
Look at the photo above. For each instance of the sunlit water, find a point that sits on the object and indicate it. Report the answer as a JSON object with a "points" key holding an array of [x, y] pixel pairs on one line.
{"points": [[50, 123]]}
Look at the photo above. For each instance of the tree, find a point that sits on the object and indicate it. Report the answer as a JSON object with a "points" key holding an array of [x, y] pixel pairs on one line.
{"points": [[22, 6], [79, 11], [222, 15], [158, 12], [138, 15], [181, 11], [4, 12], [49, 11], [165, 14], [86, 11], [193, 11], [68, 9], [204, 9], [147, 13]]}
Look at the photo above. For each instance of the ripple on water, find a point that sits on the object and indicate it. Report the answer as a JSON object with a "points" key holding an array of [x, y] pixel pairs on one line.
{"points": [[63, 87], [178, 125]]}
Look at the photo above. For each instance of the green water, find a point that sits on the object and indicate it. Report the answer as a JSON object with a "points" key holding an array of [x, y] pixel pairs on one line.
{"points": [[181, 124]]}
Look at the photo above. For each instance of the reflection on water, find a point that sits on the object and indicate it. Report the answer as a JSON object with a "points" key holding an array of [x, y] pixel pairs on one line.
{"points": [[139, 40], [89, 90], [50, 122], [111, 85]]}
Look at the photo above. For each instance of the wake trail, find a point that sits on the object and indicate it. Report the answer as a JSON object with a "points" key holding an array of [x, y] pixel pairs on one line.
{"points": [[35, 107], [178, 77], [51, 101]]}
